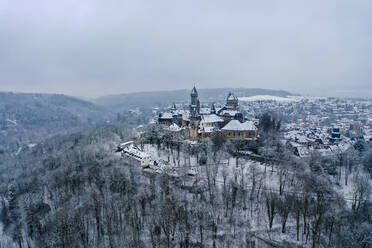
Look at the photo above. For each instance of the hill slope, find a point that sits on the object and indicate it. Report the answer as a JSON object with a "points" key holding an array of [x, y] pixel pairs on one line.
{"points": [[28, 118]]}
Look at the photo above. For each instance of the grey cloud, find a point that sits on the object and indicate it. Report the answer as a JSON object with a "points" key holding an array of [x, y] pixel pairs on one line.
{"points": [[97, 47]]}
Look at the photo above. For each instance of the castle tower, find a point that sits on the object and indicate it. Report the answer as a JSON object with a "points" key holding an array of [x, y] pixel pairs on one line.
{"points": [[194, 114], [195, 104], [232, 102]]}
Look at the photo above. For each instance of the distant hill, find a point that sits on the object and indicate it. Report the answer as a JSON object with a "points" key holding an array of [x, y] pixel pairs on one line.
{"points": [[164, 98], [27, 118]]}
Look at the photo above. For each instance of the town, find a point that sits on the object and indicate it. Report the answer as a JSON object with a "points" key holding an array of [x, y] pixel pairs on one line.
{"points": [[325, 126]]}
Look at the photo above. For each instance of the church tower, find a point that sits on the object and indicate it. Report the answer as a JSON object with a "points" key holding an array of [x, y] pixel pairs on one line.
{"points": [[195, 104], [194, 114]]}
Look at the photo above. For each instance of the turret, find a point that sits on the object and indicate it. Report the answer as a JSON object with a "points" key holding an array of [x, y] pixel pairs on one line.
{"points": [[213, 109], [232, 101], [173, 108]]}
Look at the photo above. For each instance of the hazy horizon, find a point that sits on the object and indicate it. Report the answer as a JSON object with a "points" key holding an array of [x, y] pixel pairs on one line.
{"points": [[94, 48]]}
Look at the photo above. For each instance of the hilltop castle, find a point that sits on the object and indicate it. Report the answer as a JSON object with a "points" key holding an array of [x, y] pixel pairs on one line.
{"points": [[197, 122]]}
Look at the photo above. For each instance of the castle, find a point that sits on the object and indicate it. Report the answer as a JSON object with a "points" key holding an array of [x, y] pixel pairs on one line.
{"points": [[197, 123]]}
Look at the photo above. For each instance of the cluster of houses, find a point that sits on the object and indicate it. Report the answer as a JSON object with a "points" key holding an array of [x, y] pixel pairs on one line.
{"points": [[325, 125], [319, 141], [197, 123]]}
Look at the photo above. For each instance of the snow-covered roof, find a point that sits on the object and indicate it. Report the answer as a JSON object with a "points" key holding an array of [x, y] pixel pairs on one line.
{"points": [[305, 151], [135, 152], [235, 125], [125, 144], [174, 128], [210, 118], [249, 125], [229, 112], [181, 111]]}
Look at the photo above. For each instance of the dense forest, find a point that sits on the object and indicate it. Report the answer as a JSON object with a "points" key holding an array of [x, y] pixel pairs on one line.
{"points": [[75, 191]]}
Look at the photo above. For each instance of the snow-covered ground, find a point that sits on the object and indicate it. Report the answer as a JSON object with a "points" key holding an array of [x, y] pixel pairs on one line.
{"points": [[271, 98], [244, 168]]}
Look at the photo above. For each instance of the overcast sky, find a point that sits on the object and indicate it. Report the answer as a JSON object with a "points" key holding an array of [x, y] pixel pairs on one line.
{"points": [[97, 47]]}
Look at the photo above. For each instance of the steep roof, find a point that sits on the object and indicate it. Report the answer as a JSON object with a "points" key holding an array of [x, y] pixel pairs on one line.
{"points": [[249, 125], [174, 128], [210, 118], [235, 125]]}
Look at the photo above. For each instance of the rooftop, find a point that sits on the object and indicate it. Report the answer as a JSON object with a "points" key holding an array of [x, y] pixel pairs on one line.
{"points": [[210, 118], [235, 125]]}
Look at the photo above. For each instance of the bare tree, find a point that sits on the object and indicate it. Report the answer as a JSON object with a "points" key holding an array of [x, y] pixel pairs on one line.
{"points": [[285, 206], [271, 200]]}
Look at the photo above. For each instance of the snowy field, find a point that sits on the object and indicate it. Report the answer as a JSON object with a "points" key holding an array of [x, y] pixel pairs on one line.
{"points": [[271, 98]]}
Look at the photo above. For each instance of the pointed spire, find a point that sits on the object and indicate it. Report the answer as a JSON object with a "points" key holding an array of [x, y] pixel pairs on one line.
{"points": [[173, 107], [194, 91]]}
